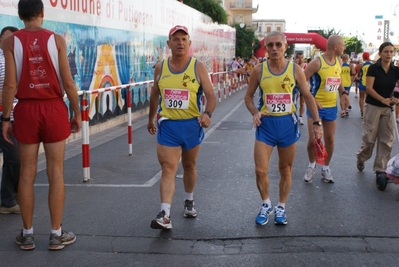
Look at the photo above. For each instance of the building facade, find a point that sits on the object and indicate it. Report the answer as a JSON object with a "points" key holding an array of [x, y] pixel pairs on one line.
{"points": [[264, 26], [240, 12]]}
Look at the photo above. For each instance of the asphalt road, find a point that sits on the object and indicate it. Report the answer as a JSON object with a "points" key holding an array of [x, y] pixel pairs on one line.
{"points": [[348, 223]]}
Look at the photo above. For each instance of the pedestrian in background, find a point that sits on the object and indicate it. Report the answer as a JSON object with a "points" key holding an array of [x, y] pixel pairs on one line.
{"points": [[10, 170]]}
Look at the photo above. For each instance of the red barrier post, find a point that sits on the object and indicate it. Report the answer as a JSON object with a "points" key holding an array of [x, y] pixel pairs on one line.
{"points": [[85, 136]]}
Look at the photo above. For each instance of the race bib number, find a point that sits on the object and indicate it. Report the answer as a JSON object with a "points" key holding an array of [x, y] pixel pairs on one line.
{"points": [[176, 98], [332, 84], [278, 103]]}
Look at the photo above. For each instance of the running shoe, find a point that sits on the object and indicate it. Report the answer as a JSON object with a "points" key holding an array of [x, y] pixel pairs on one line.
{"points": [[57, 242], [189, 209], [25, 242], [301, 121], [162, 221], [13, 209], [308, 177], [281, 216], [360, 165], [361, 115], [343, 114], [326, 176], [263, 216]]}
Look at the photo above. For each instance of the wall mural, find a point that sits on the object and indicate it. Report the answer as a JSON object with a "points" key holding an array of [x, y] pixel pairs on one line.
{"points": [[114, 43]]}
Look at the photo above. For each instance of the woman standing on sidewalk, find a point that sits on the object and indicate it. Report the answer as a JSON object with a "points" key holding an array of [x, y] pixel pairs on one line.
{"points": [[377, 124]]}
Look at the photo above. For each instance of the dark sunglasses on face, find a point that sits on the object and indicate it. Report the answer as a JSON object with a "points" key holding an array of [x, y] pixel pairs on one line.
{"points": [[278, 45]]}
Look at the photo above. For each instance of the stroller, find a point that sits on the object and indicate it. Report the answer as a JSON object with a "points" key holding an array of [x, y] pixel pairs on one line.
{"points": [[392, 170]]}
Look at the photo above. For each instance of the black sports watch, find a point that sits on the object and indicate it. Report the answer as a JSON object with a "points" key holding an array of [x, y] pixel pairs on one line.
{"points": [[4, 118], [208, 113], [318, 123]]}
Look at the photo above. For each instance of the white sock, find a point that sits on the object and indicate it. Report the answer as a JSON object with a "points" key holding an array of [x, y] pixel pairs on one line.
{"points": [[27, 231], [268, 202], [57, 232], [189, 196], [281, 205], [312, 164], [325, 167], [166, 208]]}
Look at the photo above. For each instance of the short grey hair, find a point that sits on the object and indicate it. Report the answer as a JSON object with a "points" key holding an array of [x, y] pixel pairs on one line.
{"points": [[272, 33]]}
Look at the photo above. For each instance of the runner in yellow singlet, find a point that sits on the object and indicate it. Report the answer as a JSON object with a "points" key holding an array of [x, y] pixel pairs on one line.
{"points": [[324, 74], [276, 121], [176, 116]]}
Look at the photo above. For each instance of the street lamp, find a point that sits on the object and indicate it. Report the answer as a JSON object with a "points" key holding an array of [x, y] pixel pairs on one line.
{"points": [[394, 10], [357, 40]]}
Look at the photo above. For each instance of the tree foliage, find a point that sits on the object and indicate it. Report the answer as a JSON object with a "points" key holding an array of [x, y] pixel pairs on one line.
{"points": [[246, 42], [290, 50], [211, 8], [353, 44], [326, 33]]}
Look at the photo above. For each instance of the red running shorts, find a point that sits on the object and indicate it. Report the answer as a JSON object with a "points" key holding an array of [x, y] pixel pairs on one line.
{"points": [[44, 121]]}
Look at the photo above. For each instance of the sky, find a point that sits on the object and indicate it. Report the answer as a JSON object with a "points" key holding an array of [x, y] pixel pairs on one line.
{"points": [[348, 16]]}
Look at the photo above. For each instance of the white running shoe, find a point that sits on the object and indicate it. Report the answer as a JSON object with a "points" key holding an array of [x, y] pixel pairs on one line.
{"points": [[308, 177], [326, 176]]}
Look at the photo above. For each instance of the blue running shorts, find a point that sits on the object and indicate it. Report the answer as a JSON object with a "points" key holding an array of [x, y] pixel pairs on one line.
{"points": [[361, 87], [326, 114], [184, 133], [280, 131]]}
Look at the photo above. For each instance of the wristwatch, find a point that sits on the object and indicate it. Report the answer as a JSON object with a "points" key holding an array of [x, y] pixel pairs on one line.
{"points": [[345, 93], [318, 123], [4, 118], [208, 113]]}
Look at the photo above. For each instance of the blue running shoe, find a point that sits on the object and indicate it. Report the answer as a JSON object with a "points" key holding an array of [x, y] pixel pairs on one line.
{"points": [[264, 212], [281, 217]]}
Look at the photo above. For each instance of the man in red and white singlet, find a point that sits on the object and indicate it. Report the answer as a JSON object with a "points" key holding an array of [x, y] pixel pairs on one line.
{"points": [[37, 74]]}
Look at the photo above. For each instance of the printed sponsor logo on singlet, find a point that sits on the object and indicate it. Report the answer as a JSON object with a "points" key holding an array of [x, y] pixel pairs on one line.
{"points": [[36, 59], [34, 46], [39, 85], [266, 77], [38, 73]]}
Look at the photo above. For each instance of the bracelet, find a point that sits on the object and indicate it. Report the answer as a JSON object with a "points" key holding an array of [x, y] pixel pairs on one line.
{"points": [[4, 118], [344, 93]]}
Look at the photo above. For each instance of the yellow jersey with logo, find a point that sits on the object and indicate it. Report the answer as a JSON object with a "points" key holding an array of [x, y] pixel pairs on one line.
{"points": [[278, 91], [181, 92], [363, 73], [324, 84], [346, 75]]}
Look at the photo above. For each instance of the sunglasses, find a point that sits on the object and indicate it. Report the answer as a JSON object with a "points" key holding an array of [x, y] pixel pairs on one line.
{"points": [[278, 45]]}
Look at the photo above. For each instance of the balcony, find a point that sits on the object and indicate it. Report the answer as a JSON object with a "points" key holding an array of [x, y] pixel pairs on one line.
{"points": [[243, 6]]}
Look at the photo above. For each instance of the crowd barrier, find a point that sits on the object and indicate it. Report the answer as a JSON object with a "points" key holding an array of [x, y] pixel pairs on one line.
{"points": [[227, 82]]}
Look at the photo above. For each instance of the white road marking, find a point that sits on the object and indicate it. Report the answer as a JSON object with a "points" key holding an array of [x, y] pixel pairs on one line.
{"points": [[157, 176]]}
